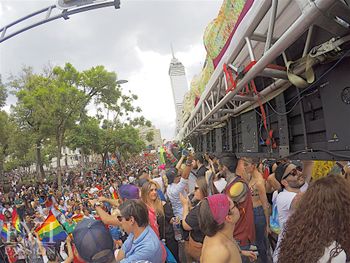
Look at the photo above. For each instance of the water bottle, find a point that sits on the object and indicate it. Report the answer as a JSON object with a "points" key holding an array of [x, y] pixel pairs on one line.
{"points": [[177, 229]]}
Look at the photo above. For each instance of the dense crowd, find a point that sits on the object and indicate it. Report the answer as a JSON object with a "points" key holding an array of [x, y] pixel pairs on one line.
{"points": [[202, 208]]}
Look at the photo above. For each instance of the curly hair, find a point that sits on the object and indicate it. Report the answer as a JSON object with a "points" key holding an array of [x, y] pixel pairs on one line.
{"points": [[322, 217]]}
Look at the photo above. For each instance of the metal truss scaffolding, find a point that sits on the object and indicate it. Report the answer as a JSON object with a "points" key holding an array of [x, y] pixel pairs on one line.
{"points": [[268, 29]]}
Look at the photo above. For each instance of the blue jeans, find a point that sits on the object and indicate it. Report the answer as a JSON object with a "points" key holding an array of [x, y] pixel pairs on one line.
{"points": [[260, 233]]}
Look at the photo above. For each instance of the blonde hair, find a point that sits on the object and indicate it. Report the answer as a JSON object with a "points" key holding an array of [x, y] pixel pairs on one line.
{"points": [[145, 189]]}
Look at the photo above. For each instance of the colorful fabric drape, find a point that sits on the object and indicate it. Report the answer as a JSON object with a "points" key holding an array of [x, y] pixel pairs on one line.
{"points": [[51, 231]]}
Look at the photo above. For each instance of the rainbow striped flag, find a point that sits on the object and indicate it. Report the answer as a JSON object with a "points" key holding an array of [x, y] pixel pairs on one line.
{"points": [[5, 234], [77, 218], [115, 195], [16, 222], [51, 231]]}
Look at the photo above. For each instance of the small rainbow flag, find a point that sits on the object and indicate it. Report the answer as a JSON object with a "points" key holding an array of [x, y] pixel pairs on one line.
{"points": [[115, 195], [5, 232], [51, 231], [16, 222], [77, 218]]}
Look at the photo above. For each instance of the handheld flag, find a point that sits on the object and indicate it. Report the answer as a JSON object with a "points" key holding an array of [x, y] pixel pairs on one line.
{"points": [[115, 195], [77, 218], [5, 234], [51, 231], [16, 221]]}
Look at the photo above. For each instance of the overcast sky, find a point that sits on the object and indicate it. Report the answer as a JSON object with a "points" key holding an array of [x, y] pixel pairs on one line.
{"points": [[133, 41]]}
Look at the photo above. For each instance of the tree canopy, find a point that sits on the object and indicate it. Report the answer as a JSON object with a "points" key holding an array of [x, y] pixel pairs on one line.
{"points": [[52, 110]]}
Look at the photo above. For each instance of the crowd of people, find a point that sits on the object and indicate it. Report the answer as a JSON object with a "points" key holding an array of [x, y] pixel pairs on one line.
{"points": [[203, 208]]}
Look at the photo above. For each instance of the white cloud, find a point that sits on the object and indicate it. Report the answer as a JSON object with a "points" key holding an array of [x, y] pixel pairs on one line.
{"points": [[133, 41]]}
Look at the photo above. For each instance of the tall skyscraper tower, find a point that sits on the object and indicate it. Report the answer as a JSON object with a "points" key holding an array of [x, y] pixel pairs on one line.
{"points": [[179, 87]]}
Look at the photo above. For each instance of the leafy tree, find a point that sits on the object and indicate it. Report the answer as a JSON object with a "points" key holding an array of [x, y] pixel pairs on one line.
{"points": [[53, 103], [150, 136], [3, 94], [5, 131], [32, 111], [86, 136]]}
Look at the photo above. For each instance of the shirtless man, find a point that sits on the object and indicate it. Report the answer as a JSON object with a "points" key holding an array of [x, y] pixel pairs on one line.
{"points": [[217, 218]]}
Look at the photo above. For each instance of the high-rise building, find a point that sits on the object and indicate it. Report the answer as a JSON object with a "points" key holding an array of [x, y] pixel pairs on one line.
{"points": [[179, 87]]}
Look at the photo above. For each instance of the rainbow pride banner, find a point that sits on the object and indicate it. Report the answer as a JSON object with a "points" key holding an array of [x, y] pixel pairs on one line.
{"points": [[77, 218], [5, 233], [51, 231]]}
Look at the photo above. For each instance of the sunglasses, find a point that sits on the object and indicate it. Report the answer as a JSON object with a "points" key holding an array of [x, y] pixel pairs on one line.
{"points": [[235, 204], [293, 172]]}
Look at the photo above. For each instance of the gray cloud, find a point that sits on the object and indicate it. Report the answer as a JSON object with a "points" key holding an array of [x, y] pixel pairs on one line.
{"points": [[108, 37]]}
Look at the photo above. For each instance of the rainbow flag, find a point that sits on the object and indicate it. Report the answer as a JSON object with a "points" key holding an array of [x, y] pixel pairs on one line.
{"points": [[115, 195], [5, 232], [77, 218], [51, 231], [16, 222]]}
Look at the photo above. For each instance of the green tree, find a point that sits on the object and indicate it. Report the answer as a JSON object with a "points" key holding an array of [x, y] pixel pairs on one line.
{"points": [[150, 136], [3, 94], [52, 103], [86, 136], [5, 131]]}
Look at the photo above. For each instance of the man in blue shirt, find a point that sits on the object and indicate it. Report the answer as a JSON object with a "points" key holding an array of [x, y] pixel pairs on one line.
{"points": [[142, 243]]}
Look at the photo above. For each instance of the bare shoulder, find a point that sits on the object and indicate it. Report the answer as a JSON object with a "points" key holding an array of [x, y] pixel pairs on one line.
{"points": [[214, 251]]}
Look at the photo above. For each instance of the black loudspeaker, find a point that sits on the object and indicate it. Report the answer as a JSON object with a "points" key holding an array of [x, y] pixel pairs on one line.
{"points": [[335, 96]]}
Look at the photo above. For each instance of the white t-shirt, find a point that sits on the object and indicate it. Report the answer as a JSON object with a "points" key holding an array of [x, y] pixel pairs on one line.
{"points": [[191, 182], [283, 202], [173, 192], [341, 258]]}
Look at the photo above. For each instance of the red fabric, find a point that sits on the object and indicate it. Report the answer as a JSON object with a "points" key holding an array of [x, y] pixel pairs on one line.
{"points": [[244, 228], [231, 83], [246, 8], [196, 100]]}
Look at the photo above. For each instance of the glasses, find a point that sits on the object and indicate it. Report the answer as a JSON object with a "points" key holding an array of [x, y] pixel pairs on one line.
{"points": [[293, 172], [235, 204]]}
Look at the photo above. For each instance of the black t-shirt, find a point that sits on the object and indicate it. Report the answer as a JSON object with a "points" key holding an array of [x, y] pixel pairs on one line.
{"points": [[192, 220], [201, 171]]}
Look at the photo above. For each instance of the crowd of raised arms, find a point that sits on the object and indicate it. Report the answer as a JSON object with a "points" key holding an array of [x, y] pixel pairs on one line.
{"points": [[194, 208]]}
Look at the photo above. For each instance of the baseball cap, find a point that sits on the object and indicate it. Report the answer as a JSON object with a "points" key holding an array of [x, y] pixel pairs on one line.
{"points": [[171, 174], [129, 191], [93, 241], [280, 170]]}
